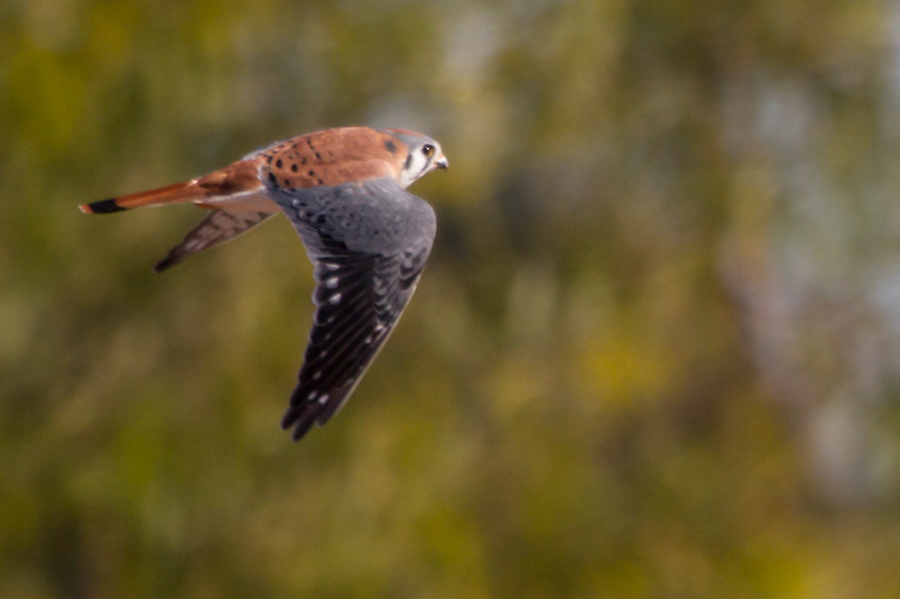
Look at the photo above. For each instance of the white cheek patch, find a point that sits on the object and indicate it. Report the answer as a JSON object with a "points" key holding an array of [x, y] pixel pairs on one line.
{"points": [[417, 165]]}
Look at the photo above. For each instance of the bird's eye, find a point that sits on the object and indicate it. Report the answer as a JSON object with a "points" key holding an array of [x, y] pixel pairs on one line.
{"points": [[428, 150]]}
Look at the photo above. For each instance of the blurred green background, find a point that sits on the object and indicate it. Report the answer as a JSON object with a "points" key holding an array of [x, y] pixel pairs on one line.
{"points": [[656, 352]]}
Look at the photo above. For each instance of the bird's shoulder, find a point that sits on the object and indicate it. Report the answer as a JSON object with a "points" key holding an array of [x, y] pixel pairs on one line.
{"points": [[329, 157]]}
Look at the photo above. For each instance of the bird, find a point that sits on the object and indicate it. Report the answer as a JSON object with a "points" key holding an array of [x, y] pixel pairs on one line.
{"points": [[344, 192]]}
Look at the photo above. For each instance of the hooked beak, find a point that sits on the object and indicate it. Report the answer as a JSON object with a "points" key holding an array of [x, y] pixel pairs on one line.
{"points": [[442, 163]]}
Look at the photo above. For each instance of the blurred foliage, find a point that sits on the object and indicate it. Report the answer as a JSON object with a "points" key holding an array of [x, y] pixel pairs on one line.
{"points": [[656, 352]]}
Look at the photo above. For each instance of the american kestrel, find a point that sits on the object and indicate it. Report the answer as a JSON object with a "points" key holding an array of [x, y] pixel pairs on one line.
{"points": [[343, 190]]}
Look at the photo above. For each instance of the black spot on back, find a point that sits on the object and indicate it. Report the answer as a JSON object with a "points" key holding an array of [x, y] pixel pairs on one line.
{"points": [[390, 147], [278, 163], [294, 167]]}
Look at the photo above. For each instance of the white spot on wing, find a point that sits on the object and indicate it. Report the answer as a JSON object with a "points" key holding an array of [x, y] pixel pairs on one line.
{"points": [[335, 299], [332, 282], [323, 399]]}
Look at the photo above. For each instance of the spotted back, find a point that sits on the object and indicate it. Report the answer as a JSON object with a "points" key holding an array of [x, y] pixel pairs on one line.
{"points": [[330, 158]]}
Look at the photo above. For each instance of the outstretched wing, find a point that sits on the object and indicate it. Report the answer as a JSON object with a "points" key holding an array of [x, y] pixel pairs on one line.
{"points": [[218, 226], [369, 242]]}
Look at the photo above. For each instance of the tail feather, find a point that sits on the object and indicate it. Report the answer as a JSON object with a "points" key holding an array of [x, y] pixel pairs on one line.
{"points": [[102, 207], [233, 180], [178, 192]]}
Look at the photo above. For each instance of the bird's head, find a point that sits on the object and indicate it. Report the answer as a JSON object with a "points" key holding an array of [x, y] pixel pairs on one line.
{"points": [[423, 156]]}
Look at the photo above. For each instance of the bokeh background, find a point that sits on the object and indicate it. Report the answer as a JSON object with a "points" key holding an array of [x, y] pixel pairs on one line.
{"points": [[656, 352]]}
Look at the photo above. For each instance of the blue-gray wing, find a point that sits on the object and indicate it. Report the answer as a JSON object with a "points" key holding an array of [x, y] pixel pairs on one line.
{"points": [[368, 242], [218, 227]]}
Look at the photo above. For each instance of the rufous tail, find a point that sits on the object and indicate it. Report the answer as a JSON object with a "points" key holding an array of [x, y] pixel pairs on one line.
{"points": [[170, 194], [235, 179]]}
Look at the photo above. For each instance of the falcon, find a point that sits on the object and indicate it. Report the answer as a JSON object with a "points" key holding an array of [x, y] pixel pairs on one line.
{"points": [[344, 191]]}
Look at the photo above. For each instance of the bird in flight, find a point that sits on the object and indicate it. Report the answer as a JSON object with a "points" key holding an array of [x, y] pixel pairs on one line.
{"points": [[344, 191]]}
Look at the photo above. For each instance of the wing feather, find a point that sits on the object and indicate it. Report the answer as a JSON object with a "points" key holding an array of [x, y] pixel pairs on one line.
{"points": [[218, 227], [368, 242]]}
